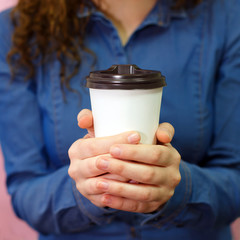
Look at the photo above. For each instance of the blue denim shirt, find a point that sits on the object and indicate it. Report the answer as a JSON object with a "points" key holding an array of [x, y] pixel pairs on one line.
{"points": [[199, 53]]}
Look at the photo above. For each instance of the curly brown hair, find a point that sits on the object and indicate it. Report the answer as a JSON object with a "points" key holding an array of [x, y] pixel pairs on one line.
{"points": [[46, 27]]}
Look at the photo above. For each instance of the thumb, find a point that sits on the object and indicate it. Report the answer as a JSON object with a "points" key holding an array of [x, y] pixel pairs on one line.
{"points": [[165, 133], [85, 121]]}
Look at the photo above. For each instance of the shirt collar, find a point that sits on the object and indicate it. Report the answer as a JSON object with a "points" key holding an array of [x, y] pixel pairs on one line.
{"points": [[161, 14]]}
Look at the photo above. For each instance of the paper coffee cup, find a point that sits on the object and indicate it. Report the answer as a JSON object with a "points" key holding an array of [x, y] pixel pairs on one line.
{"points": [[126, 98]]}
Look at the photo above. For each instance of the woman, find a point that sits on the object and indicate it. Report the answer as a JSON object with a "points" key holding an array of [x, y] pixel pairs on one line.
{"points": [[196, 45]]}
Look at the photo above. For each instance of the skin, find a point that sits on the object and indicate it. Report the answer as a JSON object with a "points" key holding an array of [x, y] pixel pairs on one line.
{"points": [[121, 173], [126, 15]]}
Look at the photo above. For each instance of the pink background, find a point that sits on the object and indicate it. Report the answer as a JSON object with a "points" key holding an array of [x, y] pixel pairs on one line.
{"points": [[6, 3], [11, 227]]}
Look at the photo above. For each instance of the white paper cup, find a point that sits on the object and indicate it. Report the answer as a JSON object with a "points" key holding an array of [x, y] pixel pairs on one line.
{"points": [[126, 98]]}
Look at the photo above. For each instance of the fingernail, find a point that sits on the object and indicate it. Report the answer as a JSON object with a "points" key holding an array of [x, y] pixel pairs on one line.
{"points": [[133, 138], [80, 117], [103, 185], [167, 132], [103, 164]]}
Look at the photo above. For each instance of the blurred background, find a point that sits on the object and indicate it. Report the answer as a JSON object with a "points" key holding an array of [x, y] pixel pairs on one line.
{"points": [[12, 228]]}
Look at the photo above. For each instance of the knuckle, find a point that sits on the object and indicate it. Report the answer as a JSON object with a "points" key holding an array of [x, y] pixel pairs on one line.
{"points": [[170, 194], [133, 206], [120, 169], [120, 190], [72, 172], [93, 188], [87, 147], [91, 148], [73, 150], [148, 176], [146, 196], [155, 155], [177, 157], [178, 178], [175, 180], [83, 147], [91, 167]]}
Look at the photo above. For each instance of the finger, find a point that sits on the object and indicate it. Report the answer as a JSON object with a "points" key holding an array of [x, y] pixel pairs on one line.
{"points": [[165, 133], [95, 185], [138, 192], [128, 205], [88, 168], [85, 121], [90, 147], [97, 200], [85, 168], [135, 172], [160, 155], [85, 118], [90, 187]]}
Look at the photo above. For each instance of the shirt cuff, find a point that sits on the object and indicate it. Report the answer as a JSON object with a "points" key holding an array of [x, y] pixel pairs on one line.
{"points": [[175, 205], [96, 214]]}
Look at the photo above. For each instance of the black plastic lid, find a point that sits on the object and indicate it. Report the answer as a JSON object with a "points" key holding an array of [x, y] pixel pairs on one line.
{"points": [[125, 77]]}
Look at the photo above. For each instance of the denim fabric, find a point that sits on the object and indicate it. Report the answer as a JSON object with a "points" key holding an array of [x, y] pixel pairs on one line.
{"points": [[198, 51]]}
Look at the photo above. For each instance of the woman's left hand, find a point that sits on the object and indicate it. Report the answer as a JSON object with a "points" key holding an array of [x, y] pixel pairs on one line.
{"points": [[154, 170]]}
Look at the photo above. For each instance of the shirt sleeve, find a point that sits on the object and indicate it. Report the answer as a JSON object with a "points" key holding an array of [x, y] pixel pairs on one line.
{"points": [[209, 195], [44, 197]]}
